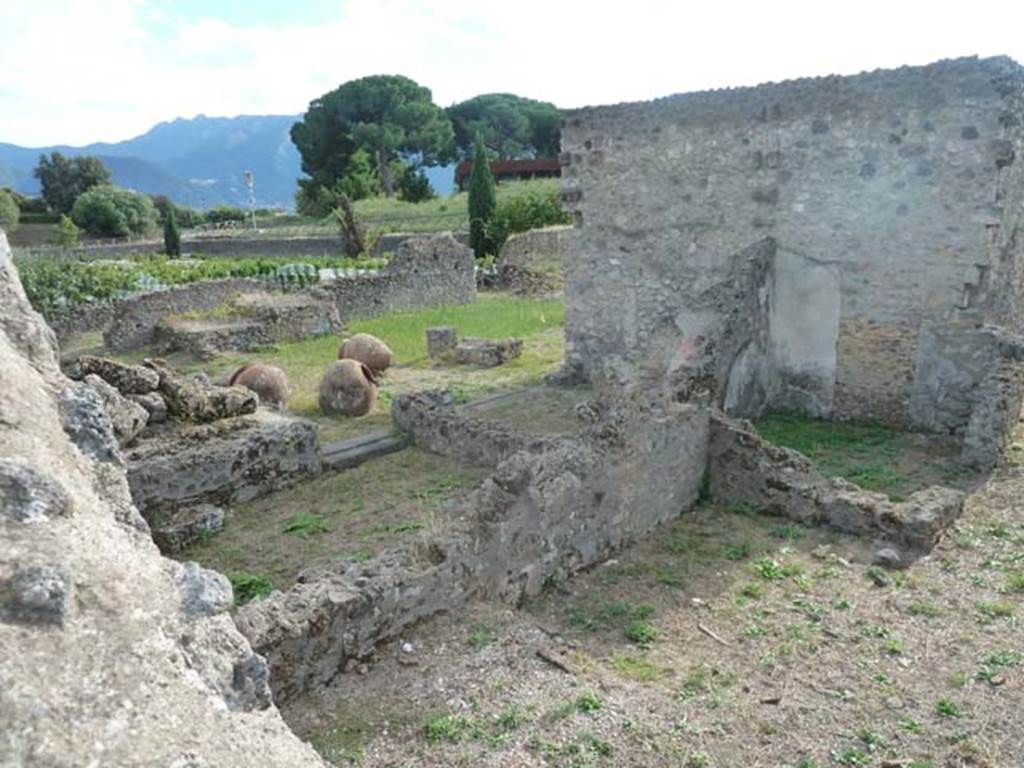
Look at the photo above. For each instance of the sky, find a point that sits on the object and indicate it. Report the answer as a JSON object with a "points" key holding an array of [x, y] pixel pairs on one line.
{"points": [[78, 71]]}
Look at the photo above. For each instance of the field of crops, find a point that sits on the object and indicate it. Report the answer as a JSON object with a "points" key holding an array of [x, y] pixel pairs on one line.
{"points": [[59, 284]]}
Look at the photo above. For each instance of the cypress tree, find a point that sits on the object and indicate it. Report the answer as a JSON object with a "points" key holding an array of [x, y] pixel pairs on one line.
{"points": [[172, 237], [482, 200]]}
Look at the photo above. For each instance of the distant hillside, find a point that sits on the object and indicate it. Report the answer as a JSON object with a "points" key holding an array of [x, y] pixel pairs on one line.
{"points": [[199, 162]]}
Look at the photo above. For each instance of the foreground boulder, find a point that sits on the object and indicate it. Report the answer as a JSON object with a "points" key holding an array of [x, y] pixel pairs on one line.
{"points": [[368, 350], [126, 379], [110, 655], [347, 389], [127, 417], [194, 398]]}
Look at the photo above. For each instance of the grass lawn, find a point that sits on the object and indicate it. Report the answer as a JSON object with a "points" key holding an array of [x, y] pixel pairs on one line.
{"points": [[537, 321], [351, 514], [383, 215], [873, 456]]}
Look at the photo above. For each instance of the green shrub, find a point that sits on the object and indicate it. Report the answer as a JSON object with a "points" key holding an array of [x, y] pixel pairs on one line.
{"points": [[9, 212], [29, 205], [531, 209], [114, 212], [222, 213], [172, 237], [414, 186], [186, 217], [65, 234], [482, 201]]}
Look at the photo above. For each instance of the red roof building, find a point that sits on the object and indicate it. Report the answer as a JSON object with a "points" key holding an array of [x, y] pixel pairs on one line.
{"points": [[512, 170]]}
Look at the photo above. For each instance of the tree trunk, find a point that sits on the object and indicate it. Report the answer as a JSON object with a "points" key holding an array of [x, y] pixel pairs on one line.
{"points": [[385, 174]]}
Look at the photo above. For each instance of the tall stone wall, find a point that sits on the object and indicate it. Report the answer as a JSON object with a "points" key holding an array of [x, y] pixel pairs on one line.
{"points": [[109, 653], [884, 211]]}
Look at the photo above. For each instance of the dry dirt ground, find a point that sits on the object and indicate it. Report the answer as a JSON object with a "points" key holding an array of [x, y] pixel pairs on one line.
{"points": [[726, 639]]}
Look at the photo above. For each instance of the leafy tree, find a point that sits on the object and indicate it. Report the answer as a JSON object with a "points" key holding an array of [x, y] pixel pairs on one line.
{"points": [[185, 217], [221, 213], [114, 212], [414, 186], [9, 213], [63, 179], [172, 237], [482, 200], [512, 126], [65, 234], [388, 116]]}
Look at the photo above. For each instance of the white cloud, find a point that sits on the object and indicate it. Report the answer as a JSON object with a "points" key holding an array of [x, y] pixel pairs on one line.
{"points": [[76, 71]]}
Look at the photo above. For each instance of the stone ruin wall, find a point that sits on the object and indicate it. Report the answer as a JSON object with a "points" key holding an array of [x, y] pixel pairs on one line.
{"points": [[836, 246], [423, 272], [426, 271], [551, 507]]}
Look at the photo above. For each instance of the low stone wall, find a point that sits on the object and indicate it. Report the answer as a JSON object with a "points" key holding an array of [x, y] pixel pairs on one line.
{"points": [[546, 512], [136, 318], [744, 469], [390, 241], [227, 461], [424, 272], [259, 320], [446, 431], [239, 246]]}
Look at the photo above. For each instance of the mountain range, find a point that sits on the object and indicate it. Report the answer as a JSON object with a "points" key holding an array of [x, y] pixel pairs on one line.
{"points": [[198, 162]]}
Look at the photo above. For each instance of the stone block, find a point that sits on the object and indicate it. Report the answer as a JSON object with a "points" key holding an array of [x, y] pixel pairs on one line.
{"points": [[441, 339], [487, 353], [230, 460], [179, 528]]}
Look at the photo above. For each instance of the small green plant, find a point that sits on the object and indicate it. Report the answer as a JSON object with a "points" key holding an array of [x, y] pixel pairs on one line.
{"points": [[947, 708], [992, 664], [924, 608], [1015, 583], [511, 718], [753, 590], [249, 586], [306, 524], [768, 569], [738, 551], [698, 760], [789, 532], [642, 633], [588, 702], [481, 637], [989, 612], [910, 725], [878, 576], [450, 728], [638, 668], [851, 756], [893, 646]]}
